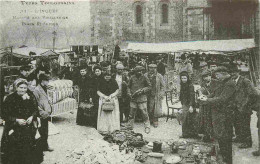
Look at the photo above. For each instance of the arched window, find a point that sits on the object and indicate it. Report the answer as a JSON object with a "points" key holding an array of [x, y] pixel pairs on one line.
{"points": [[165, 13], [139, 14]]}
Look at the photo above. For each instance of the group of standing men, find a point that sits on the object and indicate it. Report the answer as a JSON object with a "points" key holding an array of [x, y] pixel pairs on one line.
{"points": [[226, 107], [231, 103]]}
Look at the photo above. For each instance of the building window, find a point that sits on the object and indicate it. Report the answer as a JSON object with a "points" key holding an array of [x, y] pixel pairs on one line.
{"points": [[139, 14], [165, 13]]}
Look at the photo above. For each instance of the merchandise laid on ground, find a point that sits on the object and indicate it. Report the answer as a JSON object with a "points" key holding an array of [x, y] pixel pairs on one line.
{"points": [[168, 152], [60, 93]]}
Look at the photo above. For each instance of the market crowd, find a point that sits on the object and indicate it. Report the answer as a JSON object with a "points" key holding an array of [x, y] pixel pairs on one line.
{"points": [[113, 94]]}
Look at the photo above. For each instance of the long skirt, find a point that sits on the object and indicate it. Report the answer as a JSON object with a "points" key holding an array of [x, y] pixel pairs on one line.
{"points": [[189, 122], [18, 147], [108, 121], [205, 121]]}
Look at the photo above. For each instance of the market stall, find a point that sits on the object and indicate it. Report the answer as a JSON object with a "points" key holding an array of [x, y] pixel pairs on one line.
{"points": [[239, 51], [235, 50]]}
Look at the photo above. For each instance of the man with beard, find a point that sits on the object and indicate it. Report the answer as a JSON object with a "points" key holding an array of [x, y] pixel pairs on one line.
{"points": [[139, 85], [221, 103], [155, 95], [244, 96], [44, 106]]}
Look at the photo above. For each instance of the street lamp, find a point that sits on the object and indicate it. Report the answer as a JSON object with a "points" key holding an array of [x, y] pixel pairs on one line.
{"points": [[54, 37]]}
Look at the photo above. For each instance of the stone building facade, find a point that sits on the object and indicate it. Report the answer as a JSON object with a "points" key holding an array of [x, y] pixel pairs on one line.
{"points": [[114, 21]]}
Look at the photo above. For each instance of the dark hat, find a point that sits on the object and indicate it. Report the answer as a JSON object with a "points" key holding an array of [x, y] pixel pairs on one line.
{"points": [[44, 77], [25, 68], [233, 68], [83, 67], [152, 66], [138, 68], [183, 56], [221, 69], [97, 67], [184, 73]]}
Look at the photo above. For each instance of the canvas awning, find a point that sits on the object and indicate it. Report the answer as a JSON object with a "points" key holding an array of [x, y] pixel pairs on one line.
{"points": [[204, 46], [25, 51]]}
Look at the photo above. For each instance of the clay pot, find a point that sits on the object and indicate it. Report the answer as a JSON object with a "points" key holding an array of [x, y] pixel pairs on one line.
{"points": [[157, 146]]}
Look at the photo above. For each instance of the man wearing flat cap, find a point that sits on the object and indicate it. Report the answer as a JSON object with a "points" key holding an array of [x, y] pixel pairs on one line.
{"points": [[155, 95], [244, 97], [221, 106], [139, 85]]}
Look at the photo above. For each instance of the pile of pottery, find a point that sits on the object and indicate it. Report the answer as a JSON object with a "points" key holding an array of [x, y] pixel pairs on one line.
{"points": [[98, 151]]}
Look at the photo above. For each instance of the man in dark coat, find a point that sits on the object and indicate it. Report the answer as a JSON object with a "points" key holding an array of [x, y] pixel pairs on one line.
{"points": [[244, 95], [221, 102], [117, 52], [256, 107], [25, 72], [161, 67]]}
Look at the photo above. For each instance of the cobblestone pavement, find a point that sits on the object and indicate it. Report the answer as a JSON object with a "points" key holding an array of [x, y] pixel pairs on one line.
{"points": [[72, 136]]}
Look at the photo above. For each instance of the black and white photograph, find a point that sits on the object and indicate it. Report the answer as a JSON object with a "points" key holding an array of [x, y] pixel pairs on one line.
{"points": [[129, 81]]}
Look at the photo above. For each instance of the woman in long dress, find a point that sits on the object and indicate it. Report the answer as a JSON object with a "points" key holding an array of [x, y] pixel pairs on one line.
{"points": [[187, 98], [108, 121], [84, 84], [19, 111], [95, 80]]}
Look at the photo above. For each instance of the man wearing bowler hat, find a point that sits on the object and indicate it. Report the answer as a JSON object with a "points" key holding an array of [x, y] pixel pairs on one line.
{"points": [[139, 85], [221, 106]]}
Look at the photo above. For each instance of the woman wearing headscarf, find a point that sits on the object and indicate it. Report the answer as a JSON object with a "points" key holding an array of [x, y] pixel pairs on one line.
{"points": [[187, 98], [108, 121], [19, 112]]}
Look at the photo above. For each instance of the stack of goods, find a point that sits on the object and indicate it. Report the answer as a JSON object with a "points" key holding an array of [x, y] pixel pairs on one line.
{"points": [[126, 138], [128, 142], [59, 94], [194, 152], [99, 151]]}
